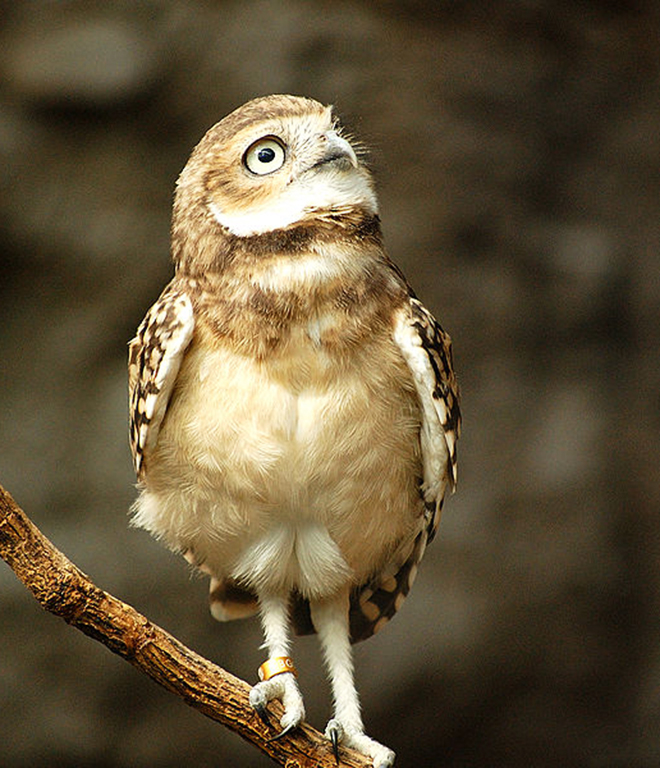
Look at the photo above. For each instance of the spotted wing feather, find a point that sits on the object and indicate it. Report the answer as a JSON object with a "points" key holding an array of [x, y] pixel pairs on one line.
{"points": [[155, 356], [426, 349]]}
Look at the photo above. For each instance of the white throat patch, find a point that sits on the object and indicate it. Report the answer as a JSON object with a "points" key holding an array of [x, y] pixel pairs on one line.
{"points": [[329, 189]]}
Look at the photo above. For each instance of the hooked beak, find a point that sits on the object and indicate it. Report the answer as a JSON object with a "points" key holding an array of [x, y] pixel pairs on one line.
{"points": [[336, 150]]}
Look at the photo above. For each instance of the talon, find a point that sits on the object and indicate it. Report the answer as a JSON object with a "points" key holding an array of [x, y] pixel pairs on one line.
{"points": [[283, 732], [352, 736], [258, 702], [261, 710], [334, 732], [335, 746]]}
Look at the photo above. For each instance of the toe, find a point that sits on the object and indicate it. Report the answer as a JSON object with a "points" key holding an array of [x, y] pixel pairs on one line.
{"points": [[382, 756], [384, 759], [285, 688], [259, 699], [294, 707]]}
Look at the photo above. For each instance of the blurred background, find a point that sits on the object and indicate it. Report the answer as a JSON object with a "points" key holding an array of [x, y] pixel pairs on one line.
{"points": [[517, 155]]}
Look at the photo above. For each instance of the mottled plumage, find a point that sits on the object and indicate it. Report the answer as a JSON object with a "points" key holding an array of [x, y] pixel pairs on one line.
{"points": [[294, 411]]}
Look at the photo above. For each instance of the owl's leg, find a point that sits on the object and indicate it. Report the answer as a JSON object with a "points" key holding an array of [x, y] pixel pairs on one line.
{"points": [[330, 619], [282, 686]]}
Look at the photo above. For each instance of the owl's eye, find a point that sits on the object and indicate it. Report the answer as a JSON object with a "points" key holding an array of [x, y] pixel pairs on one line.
{"points": [[264, 156]]}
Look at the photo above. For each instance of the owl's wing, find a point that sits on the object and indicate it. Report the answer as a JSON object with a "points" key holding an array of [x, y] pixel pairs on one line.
{"points": [[426, 348], [154, 359]]}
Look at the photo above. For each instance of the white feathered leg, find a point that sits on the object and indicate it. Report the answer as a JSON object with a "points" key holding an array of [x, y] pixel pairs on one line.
{"points": [[330, 619], [284, 686]]}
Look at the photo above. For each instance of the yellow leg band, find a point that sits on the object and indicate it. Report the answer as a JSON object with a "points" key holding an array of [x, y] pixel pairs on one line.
{"points": [[276, 666]]}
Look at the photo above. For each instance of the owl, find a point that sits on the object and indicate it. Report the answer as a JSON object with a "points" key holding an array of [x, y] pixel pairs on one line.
{"points": [[293, 406]]}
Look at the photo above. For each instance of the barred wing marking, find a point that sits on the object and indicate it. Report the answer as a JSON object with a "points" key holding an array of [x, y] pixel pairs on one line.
{"points": [[426, 349], [154, 360]]}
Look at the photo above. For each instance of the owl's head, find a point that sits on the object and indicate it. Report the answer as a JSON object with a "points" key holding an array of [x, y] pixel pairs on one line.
{"points": [[272, 163]]}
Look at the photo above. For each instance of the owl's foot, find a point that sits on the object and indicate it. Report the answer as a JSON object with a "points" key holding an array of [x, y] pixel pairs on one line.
{"points": [[285, 688], [353, 737]]}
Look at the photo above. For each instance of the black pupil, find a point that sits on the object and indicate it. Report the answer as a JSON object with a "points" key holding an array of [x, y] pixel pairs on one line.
{"points": [[266, 155]]}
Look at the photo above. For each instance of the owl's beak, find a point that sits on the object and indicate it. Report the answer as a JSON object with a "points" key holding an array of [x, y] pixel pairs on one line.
{"points": [[336, 150]]}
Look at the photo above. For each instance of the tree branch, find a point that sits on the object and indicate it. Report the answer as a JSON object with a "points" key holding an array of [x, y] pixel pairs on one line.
{"points": [[61, 588]]}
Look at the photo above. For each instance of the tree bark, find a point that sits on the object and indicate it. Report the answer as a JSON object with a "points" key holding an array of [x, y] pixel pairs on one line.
{"points": [[61, 588]]}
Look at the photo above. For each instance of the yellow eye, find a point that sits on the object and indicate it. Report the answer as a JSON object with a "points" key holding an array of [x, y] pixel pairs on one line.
{"points": [[264, 156]]}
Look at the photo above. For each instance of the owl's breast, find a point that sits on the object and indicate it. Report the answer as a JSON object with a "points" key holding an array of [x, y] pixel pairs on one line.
{"points": [[309, 436]]}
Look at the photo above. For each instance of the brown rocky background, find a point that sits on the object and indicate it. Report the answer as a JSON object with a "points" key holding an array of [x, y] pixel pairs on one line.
{"points": [[517, 151]]}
